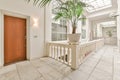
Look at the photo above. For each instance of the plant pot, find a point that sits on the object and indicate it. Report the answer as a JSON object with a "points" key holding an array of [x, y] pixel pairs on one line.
{"points": [[74, 38]]}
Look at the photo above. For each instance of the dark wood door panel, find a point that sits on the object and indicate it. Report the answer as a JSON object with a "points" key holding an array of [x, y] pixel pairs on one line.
{"points": [[14, 39]]}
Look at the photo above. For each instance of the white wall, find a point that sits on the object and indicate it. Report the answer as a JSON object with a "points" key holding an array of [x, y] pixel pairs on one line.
{"points": [[88, 31], [99, 30], [36, 33], [0, 40], [48, 27], [118, 25], [110, 40]]}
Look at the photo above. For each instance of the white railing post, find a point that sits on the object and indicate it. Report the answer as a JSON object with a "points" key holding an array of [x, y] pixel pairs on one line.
{"points": [[75, 56]]}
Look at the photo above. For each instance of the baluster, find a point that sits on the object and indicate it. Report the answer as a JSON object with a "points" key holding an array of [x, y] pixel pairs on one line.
{"points": [[57, 52], [68, 56], [60, 53], [50, 52], [64, 54], [81, 54], [54, 51], [84, 50]]}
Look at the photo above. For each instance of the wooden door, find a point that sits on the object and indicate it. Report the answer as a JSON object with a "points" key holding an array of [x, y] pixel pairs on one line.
{"points": [[14, 39]]}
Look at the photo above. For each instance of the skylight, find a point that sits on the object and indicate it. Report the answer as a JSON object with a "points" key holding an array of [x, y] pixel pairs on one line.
{"points": [[97, 4]]}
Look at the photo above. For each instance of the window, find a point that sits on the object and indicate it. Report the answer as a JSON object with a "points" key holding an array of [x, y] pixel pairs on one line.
{"points": [[83, 21], [59, 32], [83, 27], [59, 28], [97, 4], [83, 33]]}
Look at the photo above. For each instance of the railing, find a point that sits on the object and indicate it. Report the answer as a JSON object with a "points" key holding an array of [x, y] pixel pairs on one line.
{"points": [[89, 47], [72, 55], [60, 52]]}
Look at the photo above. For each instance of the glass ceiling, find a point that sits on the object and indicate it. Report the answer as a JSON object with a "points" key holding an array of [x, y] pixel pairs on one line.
{"points": [[97, 4]]}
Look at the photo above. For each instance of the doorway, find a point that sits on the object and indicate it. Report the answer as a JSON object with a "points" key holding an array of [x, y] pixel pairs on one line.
{"points": [[14, 39]]}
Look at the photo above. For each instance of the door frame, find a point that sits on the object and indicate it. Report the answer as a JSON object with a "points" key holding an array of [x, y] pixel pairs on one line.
{"points": [[4, 12]]}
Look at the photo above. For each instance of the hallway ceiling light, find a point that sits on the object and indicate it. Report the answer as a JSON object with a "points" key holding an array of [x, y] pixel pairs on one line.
{"points": [[97, 4]]}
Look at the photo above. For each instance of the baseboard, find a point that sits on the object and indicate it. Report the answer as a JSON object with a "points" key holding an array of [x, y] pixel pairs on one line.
{"points": [[1, 66]]}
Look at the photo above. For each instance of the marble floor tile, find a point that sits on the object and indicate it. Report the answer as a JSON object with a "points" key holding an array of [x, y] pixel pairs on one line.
{"points": [[8, 68], [86, 68], [99, 65], [65, 78], [93, 78], [27, 71], [38, 63], [11, 75], [78, 75], [101, 75], [116, 77]]}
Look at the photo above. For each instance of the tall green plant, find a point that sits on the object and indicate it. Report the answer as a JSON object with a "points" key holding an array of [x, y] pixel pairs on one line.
{"points": [[70, 10], [109, 33]]}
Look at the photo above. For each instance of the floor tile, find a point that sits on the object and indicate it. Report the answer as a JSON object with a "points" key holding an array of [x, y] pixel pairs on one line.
{"points": [[78, 75], [99, 65], [12, 75], [27, 71]]}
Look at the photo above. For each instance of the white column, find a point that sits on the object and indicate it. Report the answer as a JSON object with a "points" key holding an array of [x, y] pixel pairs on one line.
{"points": [[47, 26], [1, 51], [118, 25], [99, 30], [75, 56], [88, 29], [91, 30]]}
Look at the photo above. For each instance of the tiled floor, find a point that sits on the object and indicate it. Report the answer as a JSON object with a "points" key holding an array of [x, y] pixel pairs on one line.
{"points": [[101, 65]]}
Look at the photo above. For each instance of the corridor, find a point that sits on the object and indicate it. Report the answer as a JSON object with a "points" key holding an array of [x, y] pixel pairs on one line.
{"points": [[101, 65]]}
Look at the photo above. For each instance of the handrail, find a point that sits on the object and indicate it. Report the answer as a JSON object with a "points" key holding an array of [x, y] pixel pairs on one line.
{"points": [[72, 55]]}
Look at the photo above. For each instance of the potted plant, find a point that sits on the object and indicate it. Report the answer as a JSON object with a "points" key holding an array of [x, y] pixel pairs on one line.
{"points": [[70, 10], [109, 33]]}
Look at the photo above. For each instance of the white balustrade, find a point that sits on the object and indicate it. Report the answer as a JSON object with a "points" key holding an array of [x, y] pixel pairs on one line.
{"points": [[60, 52], [72, 55]]}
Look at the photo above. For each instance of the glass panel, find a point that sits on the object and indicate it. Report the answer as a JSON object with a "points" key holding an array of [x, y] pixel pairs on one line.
{"points": [[59, 32], [97, 4], [100, 3], [59, 28], [107, 2], [94, 4]]}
